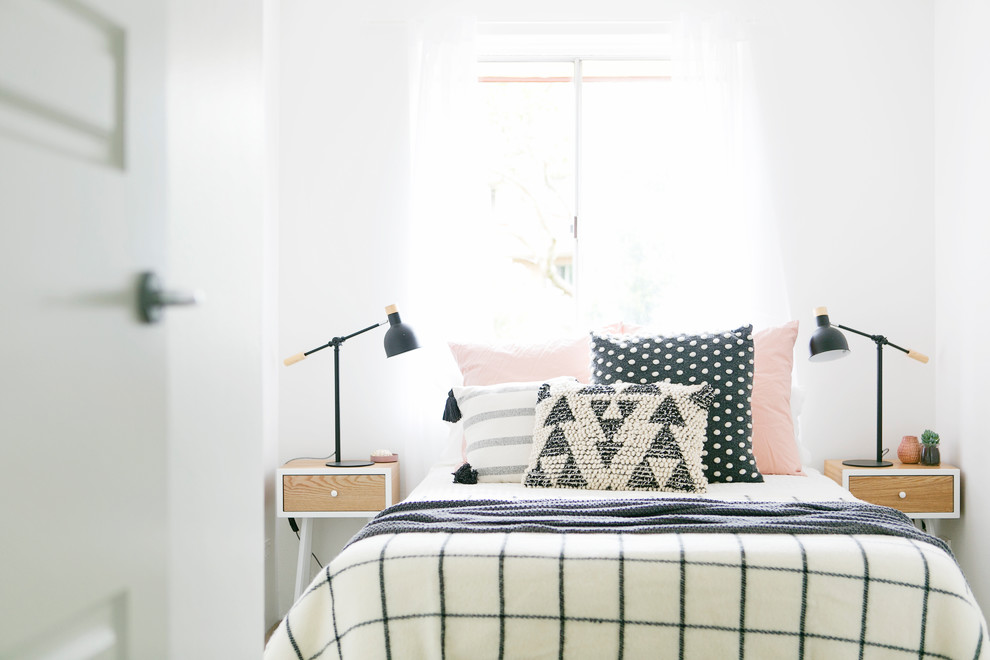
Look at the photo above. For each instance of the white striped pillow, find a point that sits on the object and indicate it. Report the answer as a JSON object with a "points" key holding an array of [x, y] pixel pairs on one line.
{"points": [[498, 427]]}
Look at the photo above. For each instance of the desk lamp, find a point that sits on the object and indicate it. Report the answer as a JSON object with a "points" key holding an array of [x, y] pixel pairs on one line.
{"points": [[399, 338], [828, 343]]}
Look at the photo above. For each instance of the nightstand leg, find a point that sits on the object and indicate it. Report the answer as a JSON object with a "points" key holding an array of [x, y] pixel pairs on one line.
{"points": [[305, 550]]}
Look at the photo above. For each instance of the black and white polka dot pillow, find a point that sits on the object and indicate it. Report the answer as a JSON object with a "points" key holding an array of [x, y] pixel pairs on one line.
{"points": [[722, 359]]}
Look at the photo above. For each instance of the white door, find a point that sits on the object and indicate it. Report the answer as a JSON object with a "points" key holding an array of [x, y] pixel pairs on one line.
{"points": [[83, 446]]}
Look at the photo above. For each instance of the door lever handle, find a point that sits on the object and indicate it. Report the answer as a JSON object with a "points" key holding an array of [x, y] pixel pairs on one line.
{"points": [[152, 298]]}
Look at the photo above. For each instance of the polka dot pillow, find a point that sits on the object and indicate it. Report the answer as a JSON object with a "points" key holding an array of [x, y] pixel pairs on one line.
{"points": [[723, 359]]}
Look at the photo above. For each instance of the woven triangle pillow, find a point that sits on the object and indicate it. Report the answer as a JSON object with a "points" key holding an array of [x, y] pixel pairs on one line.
{"points": [[626, 436]]}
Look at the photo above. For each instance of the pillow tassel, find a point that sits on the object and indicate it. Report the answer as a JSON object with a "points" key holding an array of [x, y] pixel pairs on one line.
{"points": [[465, 475], [451, 412]]}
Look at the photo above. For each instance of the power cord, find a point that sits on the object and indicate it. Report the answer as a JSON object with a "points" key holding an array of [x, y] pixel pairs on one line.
{"points": [[295, 528], [313, 458]]}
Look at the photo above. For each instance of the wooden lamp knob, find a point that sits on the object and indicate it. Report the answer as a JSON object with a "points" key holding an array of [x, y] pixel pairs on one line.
{"points": [[291, 360]]}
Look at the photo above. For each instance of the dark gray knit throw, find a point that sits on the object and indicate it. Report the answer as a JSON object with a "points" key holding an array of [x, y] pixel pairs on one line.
{"points": [[644, 516]]}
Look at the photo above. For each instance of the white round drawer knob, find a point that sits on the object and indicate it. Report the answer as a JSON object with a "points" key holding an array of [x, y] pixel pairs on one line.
{"points": [[901, 494], [333, 493]]}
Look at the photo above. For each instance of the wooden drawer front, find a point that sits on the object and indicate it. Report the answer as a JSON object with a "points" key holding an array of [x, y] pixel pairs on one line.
{"points": [[315, 492], [923, 494]]}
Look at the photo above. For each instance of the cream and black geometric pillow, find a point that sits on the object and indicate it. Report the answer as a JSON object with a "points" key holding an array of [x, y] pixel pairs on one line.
{"points": [[722, 359], [626, 436]]}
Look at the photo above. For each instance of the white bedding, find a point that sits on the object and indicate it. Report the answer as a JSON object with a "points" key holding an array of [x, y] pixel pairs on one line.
{"points": [[615, 595], [438, 485]]}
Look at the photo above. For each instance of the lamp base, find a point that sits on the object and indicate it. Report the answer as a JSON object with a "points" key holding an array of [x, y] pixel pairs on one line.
{"points": [[349, 463], [867, 463]]}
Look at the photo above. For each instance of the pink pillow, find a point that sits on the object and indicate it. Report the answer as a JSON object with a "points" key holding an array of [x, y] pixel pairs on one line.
{"points": [[774, 445], [484, 364]]}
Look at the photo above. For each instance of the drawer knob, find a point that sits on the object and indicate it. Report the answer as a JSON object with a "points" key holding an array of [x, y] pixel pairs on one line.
{"points": [[333, 493], [902, 494]]}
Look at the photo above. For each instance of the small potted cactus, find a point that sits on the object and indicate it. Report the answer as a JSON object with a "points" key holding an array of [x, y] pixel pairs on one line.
{"points": [[929, 448]]}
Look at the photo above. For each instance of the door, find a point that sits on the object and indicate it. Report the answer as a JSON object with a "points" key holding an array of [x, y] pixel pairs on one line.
{"points": [[83, 446]]}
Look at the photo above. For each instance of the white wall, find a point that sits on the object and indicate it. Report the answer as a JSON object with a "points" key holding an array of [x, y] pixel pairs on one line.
{"points": [[847, 101], [847, 106], [219, 403], [962, 259], [269, 300]]}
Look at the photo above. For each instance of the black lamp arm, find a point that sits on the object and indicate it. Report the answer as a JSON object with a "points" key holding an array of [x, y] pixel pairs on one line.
{"points": [[337, 341], [359, 332], [879, 339]]}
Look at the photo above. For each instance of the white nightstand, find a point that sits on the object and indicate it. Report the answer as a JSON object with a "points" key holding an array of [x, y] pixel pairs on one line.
{"points": [[308, 489], [920, 491]]}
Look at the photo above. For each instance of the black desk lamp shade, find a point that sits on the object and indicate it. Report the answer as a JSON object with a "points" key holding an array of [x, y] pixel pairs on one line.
{"points": [[398, 339], [828, 343]]}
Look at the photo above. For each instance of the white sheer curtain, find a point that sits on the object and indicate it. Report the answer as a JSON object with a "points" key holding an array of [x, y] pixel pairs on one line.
{"points": [[730, 269], [447, 277], [448, 185]]}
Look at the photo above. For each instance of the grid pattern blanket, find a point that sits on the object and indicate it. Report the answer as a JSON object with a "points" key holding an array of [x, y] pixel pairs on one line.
{"points": [[715, 580]]}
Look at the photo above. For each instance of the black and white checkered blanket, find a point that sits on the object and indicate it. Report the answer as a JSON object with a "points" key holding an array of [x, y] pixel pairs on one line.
{"points": [[636, 579]]}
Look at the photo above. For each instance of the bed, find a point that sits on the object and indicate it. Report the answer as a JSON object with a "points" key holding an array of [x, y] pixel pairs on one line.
{"points": [[659, 539], [610, 595]]}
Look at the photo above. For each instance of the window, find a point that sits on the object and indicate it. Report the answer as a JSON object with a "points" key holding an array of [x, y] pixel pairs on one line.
{"points": [[577, 173], [620, 178]]}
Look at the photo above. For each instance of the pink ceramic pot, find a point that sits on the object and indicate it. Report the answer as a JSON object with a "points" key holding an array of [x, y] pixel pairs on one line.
{"points": [[909, 451]]}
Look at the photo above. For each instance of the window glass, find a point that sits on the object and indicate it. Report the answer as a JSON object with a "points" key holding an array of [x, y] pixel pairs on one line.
{"points": [[530, 151], [624, 235], [582, 143]]}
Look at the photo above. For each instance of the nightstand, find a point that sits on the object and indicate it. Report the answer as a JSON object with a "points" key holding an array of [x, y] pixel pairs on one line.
{"points": [[920, 491], [308, 489]]}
